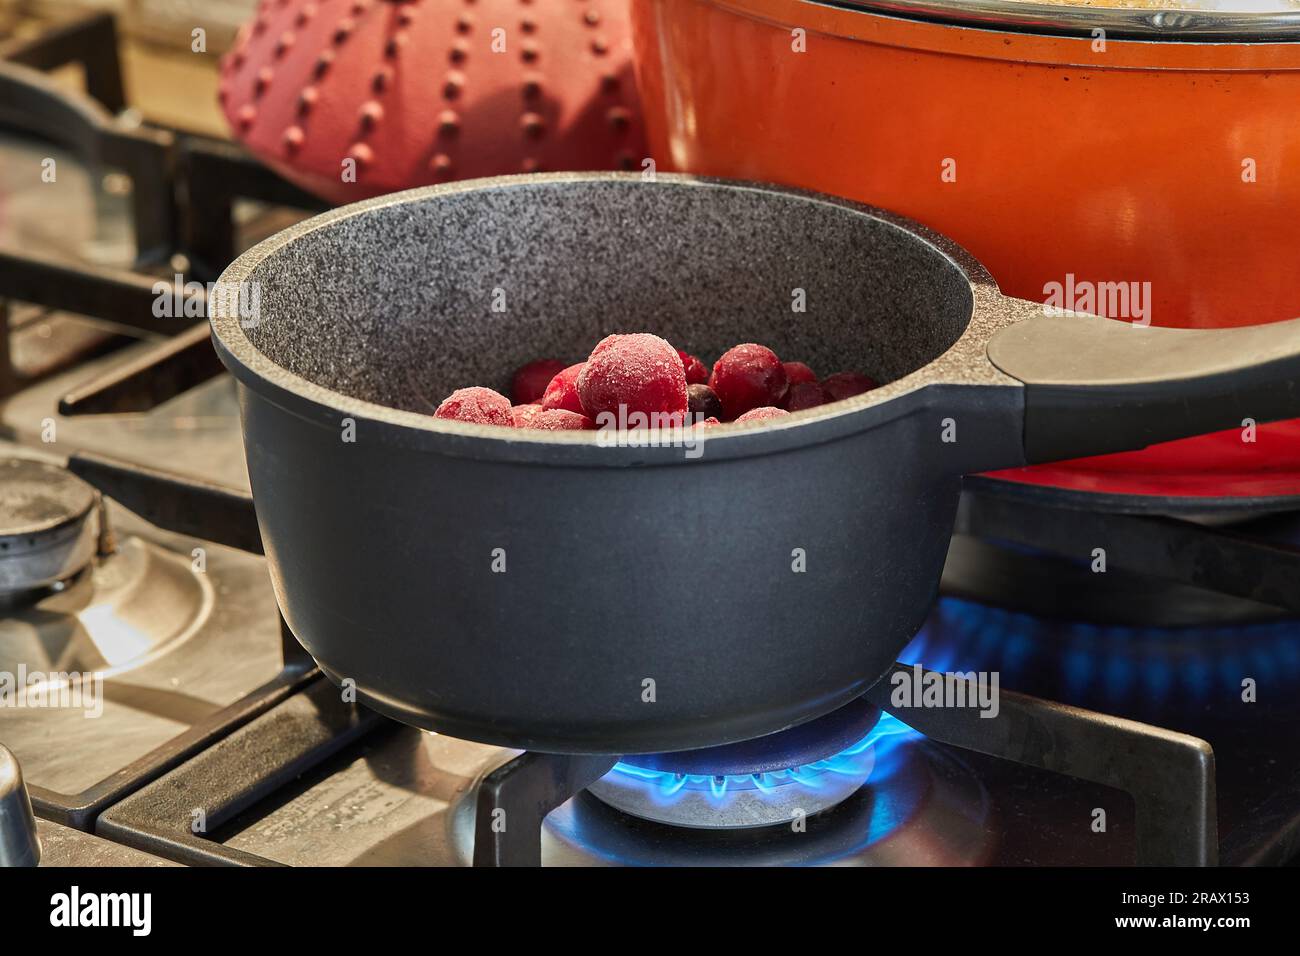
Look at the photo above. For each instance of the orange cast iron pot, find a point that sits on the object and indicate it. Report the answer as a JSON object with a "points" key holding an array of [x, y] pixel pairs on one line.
{"points": [[1164, 150]]}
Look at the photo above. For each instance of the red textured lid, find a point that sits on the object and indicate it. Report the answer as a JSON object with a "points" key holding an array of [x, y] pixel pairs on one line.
{"points": [[352, 98]]}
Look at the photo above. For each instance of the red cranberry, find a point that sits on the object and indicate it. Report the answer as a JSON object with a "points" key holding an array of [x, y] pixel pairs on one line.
{"points": [[804, 395], [562, 392], [529, 382], [482, 406], [558, 420], [523, 415], [636, 373], [797, 373], [748, 376], [697, 373], [844, 385]]}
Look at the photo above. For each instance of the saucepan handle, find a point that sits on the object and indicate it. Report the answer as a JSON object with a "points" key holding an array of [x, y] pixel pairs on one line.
{"points": [[1094, 386]]}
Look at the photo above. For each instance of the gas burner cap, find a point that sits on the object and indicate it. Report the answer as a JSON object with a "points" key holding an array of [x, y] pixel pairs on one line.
{"points": [[46, 535], [770, 780]]}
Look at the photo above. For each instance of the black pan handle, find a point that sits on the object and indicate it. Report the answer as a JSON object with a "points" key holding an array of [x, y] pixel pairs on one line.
{"points": [[1094, 386]]}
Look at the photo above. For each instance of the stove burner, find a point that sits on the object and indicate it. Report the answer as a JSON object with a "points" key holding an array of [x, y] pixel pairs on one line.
{"points": [[138, 602], [46, 532], [921, 806], [770, 780], [1163, 676]]}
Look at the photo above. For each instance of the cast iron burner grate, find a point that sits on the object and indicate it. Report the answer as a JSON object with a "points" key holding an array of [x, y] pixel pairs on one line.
{"points": [[1169, 775], [183, 506], [184, 189]]}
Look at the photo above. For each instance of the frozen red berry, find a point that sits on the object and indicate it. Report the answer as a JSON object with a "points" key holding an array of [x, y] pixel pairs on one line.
{"points": [[524, 414], [708, 423], [639, 373], [762, 414], [804, 395], [482, 406], [748, 376], [844, 385], [697, 373], [797, 373], [529, 382], [703, 402], [558, 420], [562, 392]]}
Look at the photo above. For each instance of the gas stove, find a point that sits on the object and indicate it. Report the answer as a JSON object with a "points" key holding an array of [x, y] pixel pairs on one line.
{"points": [[1144, 712]]}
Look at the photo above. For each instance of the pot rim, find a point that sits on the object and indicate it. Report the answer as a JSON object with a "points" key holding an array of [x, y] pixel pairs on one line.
{"points": [[990, 310], [1186, 25]]}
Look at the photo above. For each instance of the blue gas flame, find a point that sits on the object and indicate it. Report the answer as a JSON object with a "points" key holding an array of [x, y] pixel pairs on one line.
{"points": [[888, 733], [1128, 669], [1088, 662]]}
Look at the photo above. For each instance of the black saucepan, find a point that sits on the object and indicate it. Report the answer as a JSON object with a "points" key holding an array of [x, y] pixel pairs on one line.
{"points": [[558, 592]]}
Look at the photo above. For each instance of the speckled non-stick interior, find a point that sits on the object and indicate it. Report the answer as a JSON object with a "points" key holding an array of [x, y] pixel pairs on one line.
{"points": [[399, 305]]}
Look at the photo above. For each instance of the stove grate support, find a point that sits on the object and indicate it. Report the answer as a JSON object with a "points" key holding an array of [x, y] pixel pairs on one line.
{"points": [[212, 513], [184, 191], [1169, 775], [90, 41], [174, 816], [514, 799]]}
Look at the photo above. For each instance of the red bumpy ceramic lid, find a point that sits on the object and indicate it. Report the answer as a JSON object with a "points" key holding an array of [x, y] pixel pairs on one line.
{"points": [[353, 98]]}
